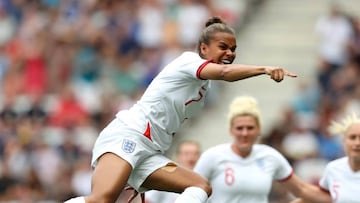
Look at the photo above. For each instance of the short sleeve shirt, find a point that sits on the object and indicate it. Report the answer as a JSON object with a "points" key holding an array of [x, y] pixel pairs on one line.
{"points": [[341, 181], [235, 179], [175, 94]]}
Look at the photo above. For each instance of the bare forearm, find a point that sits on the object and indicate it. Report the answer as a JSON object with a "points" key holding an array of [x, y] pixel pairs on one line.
{"points": [[314, 194], [235, 72], [238, 72], [307, 192]]}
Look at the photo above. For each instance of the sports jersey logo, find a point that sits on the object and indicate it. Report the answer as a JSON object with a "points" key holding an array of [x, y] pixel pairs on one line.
{"points": [[260, 163], [128, 146]]}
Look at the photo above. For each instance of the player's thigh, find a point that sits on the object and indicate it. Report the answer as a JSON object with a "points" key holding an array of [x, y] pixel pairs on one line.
{"points": [[110, 176], [175, 179]]}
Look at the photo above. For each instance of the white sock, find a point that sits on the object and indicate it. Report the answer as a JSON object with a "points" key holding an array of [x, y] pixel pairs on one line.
{"points": [[76, 200], [192, 195]]}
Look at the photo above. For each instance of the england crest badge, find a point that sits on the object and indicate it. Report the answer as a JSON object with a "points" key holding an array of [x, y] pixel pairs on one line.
{"points": [[128, 146]]}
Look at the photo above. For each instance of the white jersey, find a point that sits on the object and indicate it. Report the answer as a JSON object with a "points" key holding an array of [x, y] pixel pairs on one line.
{"points": [[341, 181], [235, 179], [176, 94]]}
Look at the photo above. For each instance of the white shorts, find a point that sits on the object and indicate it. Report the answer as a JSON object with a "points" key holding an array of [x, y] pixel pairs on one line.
{"points": [[132, 146]]}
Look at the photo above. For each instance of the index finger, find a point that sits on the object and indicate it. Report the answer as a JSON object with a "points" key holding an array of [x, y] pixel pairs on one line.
{"points": [[293, 75]]}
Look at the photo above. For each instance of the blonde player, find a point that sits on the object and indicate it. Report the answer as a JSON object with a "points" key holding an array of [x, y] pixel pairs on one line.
{"points": [[130, 149], [242, 171], [342, 176]]}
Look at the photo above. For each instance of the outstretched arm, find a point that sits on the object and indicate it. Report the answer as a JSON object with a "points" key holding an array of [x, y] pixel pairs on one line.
{"points": [[307, 192], [235, 72]]}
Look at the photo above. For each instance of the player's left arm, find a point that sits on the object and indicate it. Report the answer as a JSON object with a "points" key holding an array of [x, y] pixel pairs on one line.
{"points": [[308, 193]]}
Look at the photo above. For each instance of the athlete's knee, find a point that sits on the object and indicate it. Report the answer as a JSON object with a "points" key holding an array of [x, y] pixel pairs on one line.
{"points": [[207, 188], [205, 185]]}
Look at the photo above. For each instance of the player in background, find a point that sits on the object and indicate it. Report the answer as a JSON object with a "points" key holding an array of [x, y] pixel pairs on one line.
{"points": [[243, 171], [341, 178], [130, 149], [187, 154]]}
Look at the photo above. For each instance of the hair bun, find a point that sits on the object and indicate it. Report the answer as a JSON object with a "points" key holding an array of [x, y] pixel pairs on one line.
{"points": [[214, 20]]}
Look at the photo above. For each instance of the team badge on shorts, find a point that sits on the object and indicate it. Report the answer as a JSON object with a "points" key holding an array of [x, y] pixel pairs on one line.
{"points": [[128, 146]]}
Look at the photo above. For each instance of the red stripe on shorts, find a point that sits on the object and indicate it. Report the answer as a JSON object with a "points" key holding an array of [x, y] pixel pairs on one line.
{"points": [[147, 131]]}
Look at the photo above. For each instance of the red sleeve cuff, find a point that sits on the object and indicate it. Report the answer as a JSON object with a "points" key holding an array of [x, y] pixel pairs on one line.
{"points": [[202, 66], [287, 177]]}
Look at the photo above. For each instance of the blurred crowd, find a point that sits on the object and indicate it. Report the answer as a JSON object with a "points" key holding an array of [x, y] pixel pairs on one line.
{"points": [[66, 68]]}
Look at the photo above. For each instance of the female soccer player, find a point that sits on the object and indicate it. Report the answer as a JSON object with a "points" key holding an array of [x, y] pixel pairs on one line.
{"points": [[341, 178], [130, 149], [242, 171]]}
